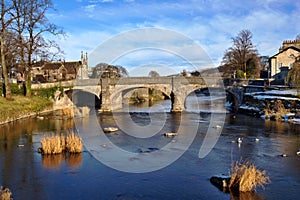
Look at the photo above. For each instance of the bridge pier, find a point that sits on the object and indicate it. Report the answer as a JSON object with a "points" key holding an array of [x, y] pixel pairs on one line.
{"points": [[106, 95], [177, 105]]}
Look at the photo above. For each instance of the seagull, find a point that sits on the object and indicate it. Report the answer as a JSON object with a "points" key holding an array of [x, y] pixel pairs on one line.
{"points": [[217, 126], [298, 152], [239, 140], [256, 139]]}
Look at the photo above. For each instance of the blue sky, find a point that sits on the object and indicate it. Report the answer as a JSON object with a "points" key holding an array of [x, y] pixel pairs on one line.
{"points": [[209, 23]]}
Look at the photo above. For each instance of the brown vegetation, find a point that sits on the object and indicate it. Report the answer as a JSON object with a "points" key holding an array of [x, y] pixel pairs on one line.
{"points": [[245, 177], [277, 111], [52, 145], [70, 143], [73, 143], [68, 112], [5, 194]]}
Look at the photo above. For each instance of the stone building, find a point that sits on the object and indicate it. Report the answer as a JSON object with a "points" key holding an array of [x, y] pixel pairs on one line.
{"points": [[43, 71], [283, 61], [83, 70]]}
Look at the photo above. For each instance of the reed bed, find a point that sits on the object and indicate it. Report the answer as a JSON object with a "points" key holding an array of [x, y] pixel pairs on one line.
{"points": [[245, 177], [73, 143], [52, 145], [5, 194], [70, 143]]}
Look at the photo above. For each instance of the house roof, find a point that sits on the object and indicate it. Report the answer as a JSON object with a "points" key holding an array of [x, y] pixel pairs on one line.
{"points": [[291, 47], [72, 67], [52, 66]]}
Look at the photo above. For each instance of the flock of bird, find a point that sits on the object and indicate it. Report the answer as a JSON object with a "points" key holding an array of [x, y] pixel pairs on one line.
{"points": [[240, 140]]}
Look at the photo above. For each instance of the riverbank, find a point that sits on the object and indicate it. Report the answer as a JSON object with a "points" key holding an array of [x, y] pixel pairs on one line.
{"points": [[279, 105], [23, 107]]}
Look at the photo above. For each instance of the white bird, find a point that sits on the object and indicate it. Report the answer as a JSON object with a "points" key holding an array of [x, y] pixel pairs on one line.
{"points": [[239, 140], [256, 139], [298, 152], [218, 126]]}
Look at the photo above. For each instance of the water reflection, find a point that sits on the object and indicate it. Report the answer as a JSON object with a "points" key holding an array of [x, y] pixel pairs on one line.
{"points": [[57, 161], [53, 161], [246, 196], [33, 176]]}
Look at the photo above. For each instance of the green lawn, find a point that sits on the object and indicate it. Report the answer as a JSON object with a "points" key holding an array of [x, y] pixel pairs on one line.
{"points": [[22, 106]]}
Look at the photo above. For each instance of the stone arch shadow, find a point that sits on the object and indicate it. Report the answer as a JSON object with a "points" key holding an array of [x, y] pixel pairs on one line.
{"points": [[82, 98], [120, 91]]}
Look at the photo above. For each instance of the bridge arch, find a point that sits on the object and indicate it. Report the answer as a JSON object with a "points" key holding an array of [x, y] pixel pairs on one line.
{"points": [[82, 97], [117, 95]]}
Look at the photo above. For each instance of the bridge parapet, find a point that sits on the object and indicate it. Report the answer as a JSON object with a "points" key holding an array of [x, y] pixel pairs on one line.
{"points": [[83, 82]]}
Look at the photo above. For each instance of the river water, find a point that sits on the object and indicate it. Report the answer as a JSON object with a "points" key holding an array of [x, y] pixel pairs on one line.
{"points": [[32, 176]]}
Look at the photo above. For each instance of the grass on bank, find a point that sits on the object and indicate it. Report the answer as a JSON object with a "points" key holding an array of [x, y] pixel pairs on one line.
{"points": [[245, 177], [21, 105], [71, 143]]}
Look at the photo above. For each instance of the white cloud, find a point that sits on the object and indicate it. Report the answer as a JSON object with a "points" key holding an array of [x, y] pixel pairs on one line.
{"points": [[210, 23], [77, 42], [90, 9]]}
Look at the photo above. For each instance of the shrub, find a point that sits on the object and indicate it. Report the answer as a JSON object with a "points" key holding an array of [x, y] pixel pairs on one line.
{"points": [[280, 109], [46, 92], [245, 177], [16, 89]]}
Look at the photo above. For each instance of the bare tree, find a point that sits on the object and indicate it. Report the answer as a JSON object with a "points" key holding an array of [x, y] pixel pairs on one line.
{"points": [[5, 23], [242, 55], [30, 26], [26, 21], [37, 25]]}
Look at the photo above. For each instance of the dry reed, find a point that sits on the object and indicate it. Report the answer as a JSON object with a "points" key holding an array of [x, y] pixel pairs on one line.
{"points": [[245, 177], [5, 194], [52, 145], [73, 143], [57, 144]]}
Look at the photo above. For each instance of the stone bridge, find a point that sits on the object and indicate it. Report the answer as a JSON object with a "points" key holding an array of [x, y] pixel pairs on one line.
{"points": [[111, 90]]}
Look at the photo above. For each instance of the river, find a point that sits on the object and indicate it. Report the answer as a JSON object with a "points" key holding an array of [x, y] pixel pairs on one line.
{"points": [[32, 176]]}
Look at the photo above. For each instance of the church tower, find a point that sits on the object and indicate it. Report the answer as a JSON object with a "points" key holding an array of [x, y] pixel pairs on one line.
{"points": [[83, 70]]}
